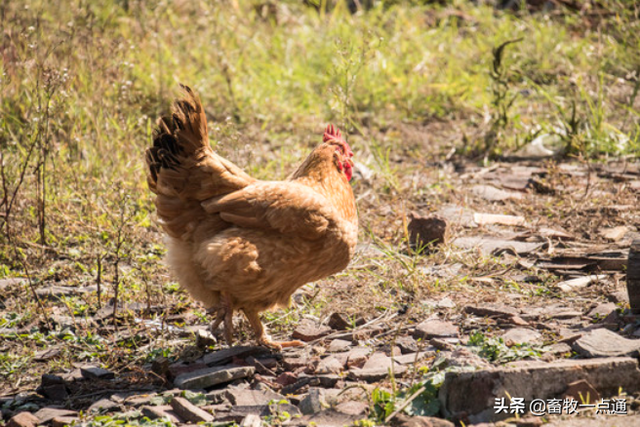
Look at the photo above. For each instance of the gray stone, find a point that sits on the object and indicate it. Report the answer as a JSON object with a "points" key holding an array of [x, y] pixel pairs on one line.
{"points": [[560, 348], [604, 343], [375, 374], [47, 414], [602, 310], [313, 402], [357, 357], [53, 387], [104, 405], [190, 412], [161, 412], [308, 330], [522, 336], [434, 328], [407, 344], [252, 397], [560, 312], [379, 360], [224, 357], [411, 358], [491, 310], [251, 420], [532, 380], [339, 345], [47, 354], [239, 413], [326, 418], [330, 365], [493, 194], [488, 245], [209, 377], [579, 282], [135, 400], [352, 407], [23, 419], [93, 373]]}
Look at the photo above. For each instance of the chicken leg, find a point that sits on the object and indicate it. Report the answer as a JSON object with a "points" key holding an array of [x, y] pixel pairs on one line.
{"points": [[261, 335], [224, 312]]}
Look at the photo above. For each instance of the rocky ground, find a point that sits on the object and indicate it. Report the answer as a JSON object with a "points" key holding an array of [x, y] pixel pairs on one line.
{"points": [[548, 321]]}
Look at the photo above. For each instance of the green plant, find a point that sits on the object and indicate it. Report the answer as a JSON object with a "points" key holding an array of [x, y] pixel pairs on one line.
{"points": [[495, 349]]}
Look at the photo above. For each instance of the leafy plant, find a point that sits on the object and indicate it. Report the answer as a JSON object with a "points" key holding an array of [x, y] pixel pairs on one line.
{"points": [[495, 349]]}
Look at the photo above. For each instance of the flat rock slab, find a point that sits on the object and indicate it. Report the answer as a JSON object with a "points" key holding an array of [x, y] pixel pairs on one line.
{"points": [[580, 282], [104, 405], [604, 343], [521, 336], [339, 345], [47, 414], [23, 419], [493, 245], [379, 360], [352, 407], [209, 377], [357, 357], [93, 373], [493, 194], [474, 393], [308, 330], [602, 310], [331, 365], [434, 328], [491, 310], [375, 374], [190, 412], [326, 418], [160, 412], [224, 357], [239, 413], [252, 397]]}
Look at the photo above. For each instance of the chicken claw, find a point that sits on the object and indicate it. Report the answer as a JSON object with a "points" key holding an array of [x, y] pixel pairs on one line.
{"points": [[278, 345], [224, 312], [263, 338]]}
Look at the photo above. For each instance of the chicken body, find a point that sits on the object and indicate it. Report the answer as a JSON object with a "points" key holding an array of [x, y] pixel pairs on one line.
{"points": [[236, 243]]}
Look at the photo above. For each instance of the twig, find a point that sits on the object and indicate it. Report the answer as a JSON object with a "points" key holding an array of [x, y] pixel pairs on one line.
{"points": [[99, 281]]}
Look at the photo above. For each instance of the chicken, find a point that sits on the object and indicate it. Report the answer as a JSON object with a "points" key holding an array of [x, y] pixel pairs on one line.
{"points": [[237, 243]]}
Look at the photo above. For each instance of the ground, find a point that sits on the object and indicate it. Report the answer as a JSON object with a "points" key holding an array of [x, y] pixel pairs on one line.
{"points": [[454, 111]]}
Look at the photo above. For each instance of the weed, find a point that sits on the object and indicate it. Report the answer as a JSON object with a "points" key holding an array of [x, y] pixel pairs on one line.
{"points": [[495, 350]]}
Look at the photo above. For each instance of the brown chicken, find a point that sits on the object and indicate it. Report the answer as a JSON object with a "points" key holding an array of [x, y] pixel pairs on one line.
{"points": [[236, 243]]}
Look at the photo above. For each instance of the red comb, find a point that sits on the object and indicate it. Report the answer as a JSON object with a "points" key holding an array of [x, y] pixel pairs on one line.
{"points": [[333, 133]]}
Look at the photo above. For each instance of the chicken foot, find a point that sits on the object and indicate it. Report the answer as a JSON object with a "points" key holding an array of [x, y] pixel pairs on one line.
{"points": [[224, 312], [261, 335]]}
